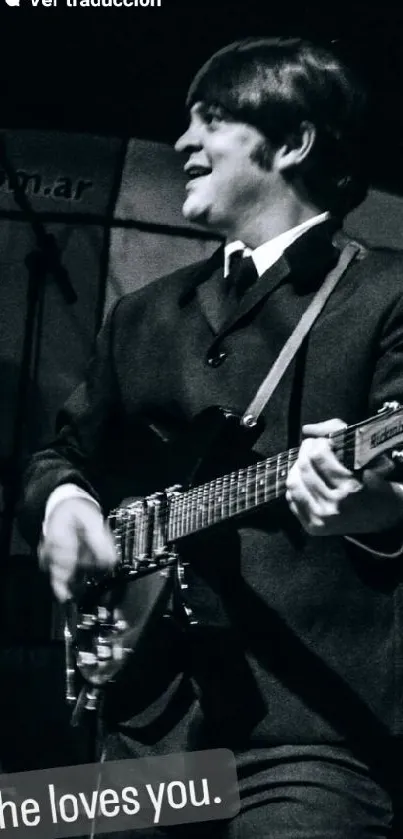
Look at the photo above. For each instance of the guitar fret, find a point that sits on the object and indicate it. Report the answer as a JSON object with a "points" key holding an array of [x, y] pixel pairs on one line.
{"points": [[179, 514], [188, 512], [210, 517], [129, 526], [128, 549], [135, 526], [218, 499], [140, 533], [183, 515], [173, 529], [265, 479], [206, 508], [194, 509], [240, 491], [188, 518], [122, 533], [199, 512], [194, 519], [233, 483], [211, 501], [203, 505], [259, 482], [281, 474], [250, 490], [225, 507], [173, 519]]}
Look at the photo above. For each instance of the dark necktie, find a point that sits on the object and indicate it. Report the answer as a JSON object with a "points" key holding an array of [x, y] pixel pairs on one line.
{"points": [[242, 274]]}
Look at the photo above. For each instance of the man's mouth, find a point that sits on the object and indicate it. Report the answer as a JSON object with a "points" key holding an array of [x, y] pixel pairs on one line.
{"points": [[195, 172]]}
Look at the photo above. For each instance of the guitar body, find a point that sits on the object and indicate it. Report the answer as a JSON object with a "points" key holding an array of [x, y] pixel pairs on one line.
{"points": [[125, 627]]}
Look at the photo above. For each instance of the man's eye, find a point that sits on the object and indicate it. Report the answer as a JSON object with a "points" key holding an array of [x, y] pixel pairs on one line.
{"points": [[212, 116]]}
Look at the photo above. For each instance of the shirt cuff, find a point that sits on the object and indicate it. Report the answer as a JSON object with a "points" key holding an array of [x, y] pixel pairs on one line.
{"points": [[63, 493]]}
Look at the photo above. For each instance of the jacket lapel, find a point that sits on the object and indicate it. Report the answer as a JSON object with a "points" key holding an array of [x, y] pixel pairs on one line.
{"points": [[305, 263], [261, 289], [211, 294]]}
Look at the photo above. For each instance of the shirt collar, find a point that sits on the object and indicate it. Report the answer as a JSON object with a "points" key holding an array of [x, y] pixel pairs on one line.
{"points": [[269, 252]]}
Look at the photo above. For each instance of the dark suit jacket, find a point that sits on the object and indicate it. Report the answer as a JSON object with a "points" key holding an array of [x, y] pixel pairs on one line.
{"points": [[317, 620]]}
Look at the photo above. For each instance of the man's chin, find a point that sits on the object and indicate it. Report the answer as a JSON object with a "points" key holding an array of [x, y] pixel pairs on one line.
{"points": [[195, 214]]}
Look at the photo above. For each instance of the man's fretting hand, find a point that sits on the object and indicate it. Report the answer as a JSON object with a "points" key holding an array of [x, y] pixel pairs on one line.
{"points": [[329, 500]]}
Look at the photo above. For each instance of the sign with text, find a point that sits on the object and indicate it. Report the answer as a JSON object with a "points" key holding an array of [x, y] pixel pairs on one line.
{"points": [[119, 795]]}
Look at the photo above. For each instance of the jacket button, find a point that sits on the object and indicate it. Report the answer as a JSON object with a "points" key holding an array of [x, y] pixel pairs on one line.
{"points": [[216, 360]]}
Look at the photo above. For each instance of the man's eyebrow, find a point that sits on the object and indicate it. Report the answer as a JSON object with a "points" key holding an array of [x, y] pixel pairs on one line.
{"points": [[206, 107]]}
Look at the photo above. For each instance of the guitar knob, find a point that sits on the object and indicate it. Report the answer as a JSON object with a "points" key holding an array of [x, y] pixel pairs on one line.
{"points": [[86, 658], [104, 652], [397, 456], [121, 625], [189, 615], [181, 575], [91, 699], [87, 620]]}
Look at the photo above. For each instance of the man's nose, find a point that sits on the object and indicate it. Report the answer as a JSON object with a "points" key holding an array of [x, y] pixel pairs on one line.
{"points": [[190, 139]]}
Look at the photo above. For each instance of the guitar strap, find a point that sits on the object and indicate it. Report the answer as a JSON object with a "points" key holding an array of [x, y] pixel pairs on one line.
{"points": [[348, 254]]}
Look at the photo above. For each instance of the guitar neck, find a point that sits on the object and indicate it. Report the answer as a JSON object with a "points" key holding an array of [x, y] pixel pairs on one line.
{"points": [[238, 492], [151, 522]]}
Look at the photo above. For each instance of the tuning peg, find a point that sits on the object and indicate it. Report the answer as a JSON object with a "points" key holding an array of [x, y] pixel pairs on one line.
{"points": [[397, 456]]}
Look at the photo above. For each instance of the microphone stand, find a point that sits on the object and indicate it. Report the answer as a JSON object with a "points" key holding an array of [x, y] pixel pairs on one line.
{"points": [[42, 261]]}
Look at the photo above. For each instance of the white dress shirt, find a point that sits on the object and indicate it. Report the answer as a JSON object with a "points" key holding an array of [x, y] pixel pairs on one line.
{"points": [[264, 256]]}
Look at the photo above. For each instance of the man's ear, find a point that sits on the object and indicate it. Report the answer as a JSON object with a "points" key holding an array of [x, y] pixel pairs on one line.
{"points": [[296, 149]]}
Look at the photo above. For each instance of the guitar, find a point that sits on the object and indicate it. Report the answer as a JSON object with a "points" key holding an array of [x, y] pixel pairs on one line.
{"points": [[114, 617]]}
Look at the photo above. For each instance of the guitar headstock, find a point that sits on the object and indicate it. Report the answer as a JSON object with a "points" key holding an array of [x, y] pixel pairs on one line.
{"points": [[379, 434]]}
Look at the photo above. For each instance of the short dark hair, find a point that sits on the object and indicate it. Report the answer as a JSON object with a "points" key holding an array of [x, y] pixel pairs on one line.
{"points": [[276, 84]]}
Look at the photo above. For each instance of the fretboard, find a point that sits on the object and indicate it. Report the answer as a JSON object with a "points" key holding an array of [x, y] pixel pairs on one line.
{"points": [[143, 528], [230, 495]]}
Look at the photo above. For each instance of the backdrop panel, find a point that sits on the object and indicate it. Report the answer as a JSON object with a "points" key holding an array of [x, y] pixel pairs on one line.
{"points": [[61, 173], [150, 236], [379, 220], [138, 257], [153, 185]]}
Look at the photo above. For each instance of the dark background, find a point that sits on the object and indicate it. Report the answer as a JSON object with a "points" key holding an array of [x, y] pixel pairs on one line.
{"points": [[125, 71]]}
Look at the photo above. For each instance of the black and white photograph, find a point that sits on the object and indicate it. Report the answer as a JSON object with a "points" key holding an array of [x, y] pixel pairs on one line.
{"points": [[201, 417]]}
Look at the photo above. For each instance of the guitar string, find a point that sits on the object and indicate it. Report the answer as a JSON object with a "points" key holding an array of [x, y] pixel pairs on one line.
{"points": [[263, 465], [189, 512], [190, 504]]}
